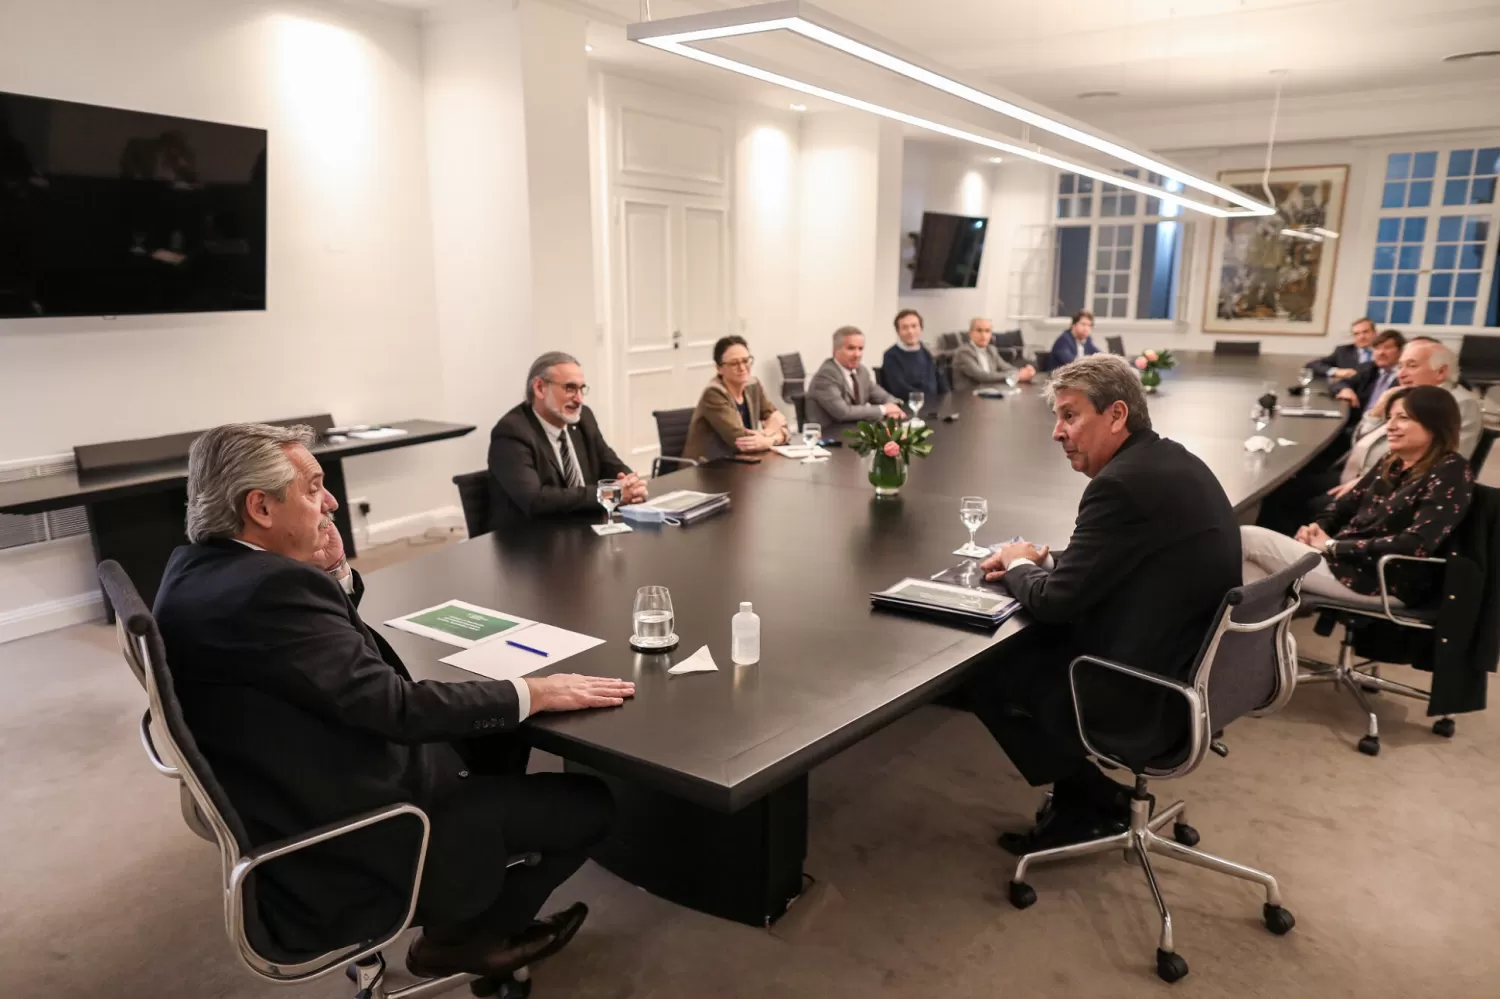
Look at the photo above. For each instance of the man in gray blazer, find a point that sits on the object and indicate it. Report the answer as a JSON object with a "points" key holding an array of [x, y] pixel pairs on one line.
{"points": [[977, 363], [843, 390]]}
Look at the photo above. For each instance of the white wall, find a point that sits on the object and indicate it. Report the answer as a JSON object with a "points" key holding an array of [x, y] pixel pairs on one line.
{"points": [[954, 180], [350, 323]]}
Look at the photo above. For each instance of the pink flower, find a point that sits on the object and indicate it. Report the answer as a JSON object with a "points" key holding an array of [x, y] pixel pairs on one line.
{"points": [[1150, 355], [891, 449], [1140, 362]]}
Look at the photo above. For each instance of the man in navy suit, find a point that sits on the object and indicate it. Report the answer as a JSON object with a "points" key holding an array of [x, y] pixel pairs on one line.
{"points": [[1372, 379], [1347, 357]]}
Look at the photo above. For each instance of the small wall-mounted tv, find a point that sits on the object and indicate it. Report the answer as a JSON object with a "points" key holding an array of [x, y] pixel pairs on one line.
{"points": [[105, 212], [948, 251]]}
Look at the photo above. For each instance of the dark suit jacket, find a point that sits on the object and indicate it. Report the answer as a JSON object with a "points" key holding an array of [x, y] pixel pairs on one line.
{"points": [[1366, 376], [525, 479], [1345, 355], [1066, 349], [307, 717], [1154, 549]]}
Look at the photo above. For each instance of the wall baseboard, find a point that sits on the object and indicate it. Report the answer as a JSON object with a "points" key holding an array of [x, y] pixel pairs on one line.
{"points": [[413, 525], [50, 615]]}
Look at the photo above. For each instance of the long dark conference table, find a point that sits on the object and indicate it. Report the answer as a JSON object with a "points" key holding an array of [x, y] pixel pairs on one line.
{"points": [[710, 770]]}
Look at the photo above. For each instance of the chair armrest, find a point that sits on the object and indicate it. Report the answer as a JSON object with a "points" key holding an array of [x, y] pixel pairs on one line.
{"points": [[234, 908], [162, 767], [1189, 695], [657, 461], [1385, 595]]}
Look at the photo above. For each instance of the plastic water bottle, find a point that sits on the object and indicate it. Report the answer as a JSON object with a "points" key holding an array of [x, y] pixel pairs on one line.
{"points": [[744, 646]]}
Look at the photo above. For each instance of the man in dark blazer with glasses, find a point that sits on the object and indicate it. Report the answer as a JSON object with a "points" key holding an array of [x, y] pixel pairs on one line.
{"points": [[547, 454]]}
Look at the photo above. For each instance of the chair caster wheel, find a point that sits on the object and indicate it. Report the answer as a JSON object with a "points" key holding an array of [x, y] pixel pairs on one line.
{"points": [[1170, 967], [500, 988], [1184, 834], [1370, 745], [1443, 727], [1022, 895], [1278, 920]]}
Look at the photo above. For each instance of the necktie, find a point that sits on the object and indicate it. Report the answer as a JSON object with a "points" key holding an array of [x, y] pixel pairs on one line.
{"points": [[570, 460], [854, 386]]}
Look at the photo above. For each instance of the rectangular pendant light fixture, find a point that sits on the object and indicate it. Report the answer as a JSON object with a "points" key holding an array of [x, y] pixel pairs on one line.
{"points": [[682, 35]]}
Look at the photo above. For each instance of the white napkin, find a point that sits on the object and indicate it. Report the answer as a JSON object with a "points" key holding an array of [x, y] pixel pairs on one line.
{"points": [[1284, 442], [1259, 443], [701, 661]]}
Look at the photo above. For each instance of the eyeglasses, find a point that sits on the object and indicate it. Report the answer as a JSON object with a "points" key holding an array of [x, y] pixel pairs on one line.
{"points": [[748, 362], [570, 388]]}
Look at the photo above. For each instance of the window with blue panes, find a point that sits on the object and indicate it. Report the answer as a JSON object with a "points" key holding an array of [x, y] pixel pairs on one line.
{"points": [[1408, 180], [1471, 176], [1457, 259], [1456, 250], [1398, 261]]}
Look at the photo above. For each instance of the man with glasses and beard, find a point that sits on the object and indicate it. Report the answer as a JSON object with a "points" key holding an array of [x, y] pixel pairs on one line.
{"points": [[547, 455]]}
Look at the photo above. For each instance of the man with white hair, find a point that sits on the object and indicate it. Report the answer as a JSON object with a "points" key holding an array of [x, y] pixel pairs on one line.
{"points": [[1424, 361], [307, 717], [547, 454]]}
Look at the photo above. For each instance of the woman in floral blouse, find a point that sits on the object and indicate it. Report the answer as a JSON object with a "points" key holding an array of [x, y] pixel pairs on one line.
{"points": [[1408, 504]]}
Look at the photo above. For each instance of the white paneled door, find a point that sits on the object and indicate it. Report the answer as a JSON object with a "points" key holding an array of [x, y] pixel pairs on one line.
{"points": [[671, 303]]}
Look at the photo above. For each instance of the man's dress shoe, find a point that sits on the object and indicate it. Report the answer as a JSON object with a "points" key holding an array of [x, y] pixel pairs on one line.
{"points": [[496, 958]]}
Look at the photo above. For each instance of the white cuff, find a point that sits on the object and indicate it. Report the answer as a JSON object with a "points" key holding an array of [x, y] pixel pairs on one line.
{"points": [[523, 698], [347, 579], [1019, 560]]}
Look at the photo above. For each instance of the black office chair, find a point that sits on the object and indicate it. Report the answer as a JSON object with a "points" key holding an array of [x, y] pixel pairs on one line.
{"points": [[1116, 344], [213, 817], [879, 372], [1424, 637], [1236, 348], [1246, 665], [671, 432], [794, 384], [474, 497], [951, 341], [1481, 453], [1479, 359], [944, 362], [1043, 360], [1011, 346]]}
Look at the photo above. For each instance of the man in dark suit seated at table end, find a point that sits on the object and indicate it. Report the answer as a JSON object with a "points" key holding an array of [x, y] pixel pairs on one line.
{"points": [[547, 454], [308, 717], [1154, 549]]}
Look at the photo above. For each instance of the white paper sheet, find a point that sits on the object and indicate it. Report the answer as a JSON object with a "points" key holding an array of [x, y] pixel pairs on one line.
{"points": [[701, 661], [377, 434], [801, 451], [616, 528], [500, 661]]}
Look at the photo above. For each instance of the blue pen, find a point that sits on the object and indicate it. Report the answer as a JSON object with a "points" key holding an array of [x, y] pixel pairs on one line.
{"points": [[526, 648]]}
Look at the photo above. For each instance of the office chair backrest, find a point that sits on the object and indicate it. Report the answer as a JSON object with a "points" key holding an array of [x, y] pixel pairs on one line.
{"points": [[1481, 454], [1479, 356], [474, 497], [793, 374], [672, 430], [1116, 344], [1043, 360], [1236, 348], [950, 341], [944, 363]]}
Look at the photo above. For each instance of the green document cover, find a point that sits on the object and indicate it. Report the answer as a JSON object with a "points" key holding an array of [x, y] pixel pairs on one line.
{"points": [[459, 623]]}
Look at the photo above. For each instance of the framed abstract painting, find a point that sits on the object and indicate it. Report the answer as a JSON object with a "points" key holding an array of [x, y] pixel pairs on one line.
{"points": [[1262, 280]]}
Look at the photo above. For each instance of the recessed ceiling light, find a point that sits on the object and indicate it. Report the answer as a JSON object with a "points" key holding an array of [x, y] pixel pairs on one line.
{"points": [[588, 48], [1477, 54], [994, 159], [799, 107], [1092, 95]]}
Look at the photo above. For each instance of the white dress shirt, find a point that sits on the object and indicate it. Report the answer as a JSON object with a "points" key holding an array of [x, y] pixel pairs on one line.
{"points": [[984, 359], [523, 692]]}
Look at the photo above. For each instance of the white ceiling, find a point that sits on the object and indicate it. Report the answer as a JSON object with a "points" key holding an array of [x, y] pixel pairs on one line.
{"points": [[1156, 53]]}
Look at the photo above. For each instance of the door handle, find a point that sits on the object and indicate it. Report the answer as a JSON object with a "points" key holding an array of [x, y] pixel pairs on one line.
{"points": [[677, 339]]}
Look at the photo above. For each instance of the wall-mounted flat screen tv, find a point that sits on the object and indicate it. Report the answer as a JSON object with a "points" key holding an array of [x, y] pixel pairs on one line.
{"points": [[105, 212], [948, 251]]}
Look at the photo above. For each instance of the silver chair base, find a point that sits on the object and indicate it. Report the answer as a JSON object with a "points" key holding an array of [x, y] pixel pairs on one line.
{"points": [[1138, 842], [369, 980], [1359, 679]]}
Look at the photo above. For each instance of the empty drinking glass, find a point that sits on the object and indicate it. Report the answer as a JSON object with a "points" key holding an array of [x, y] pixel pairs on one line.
{"points": [[1305, 378], [652, 618], [811, 434], [973, 511], [608, 491]]}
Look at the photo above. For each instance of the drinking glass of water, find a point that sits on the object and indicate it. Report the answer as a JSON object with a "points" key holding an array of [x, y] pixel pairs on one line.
{"points": [[973, 511], [1305, 378], [652, 618], [811, 434], [608, 492], [1012, 379], [915, 401]]}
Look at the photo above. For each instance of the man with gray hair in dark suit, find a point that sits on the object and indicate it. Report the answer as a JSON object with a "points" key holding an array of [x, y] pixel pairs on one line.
{"points": [[843, 391]]}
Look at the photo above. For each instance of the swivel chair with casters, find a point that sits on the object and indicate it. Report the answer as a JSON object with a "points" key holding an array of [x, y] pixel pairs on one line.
{"points": [[474, 497], [1116, 344], [671, 433], [211, 816], [1246, 665]]}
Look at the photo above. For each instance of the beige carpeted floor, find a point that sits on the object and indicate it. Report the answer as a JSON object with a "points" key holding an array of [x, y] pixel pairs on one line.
{"points": [[1390, 865]]}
